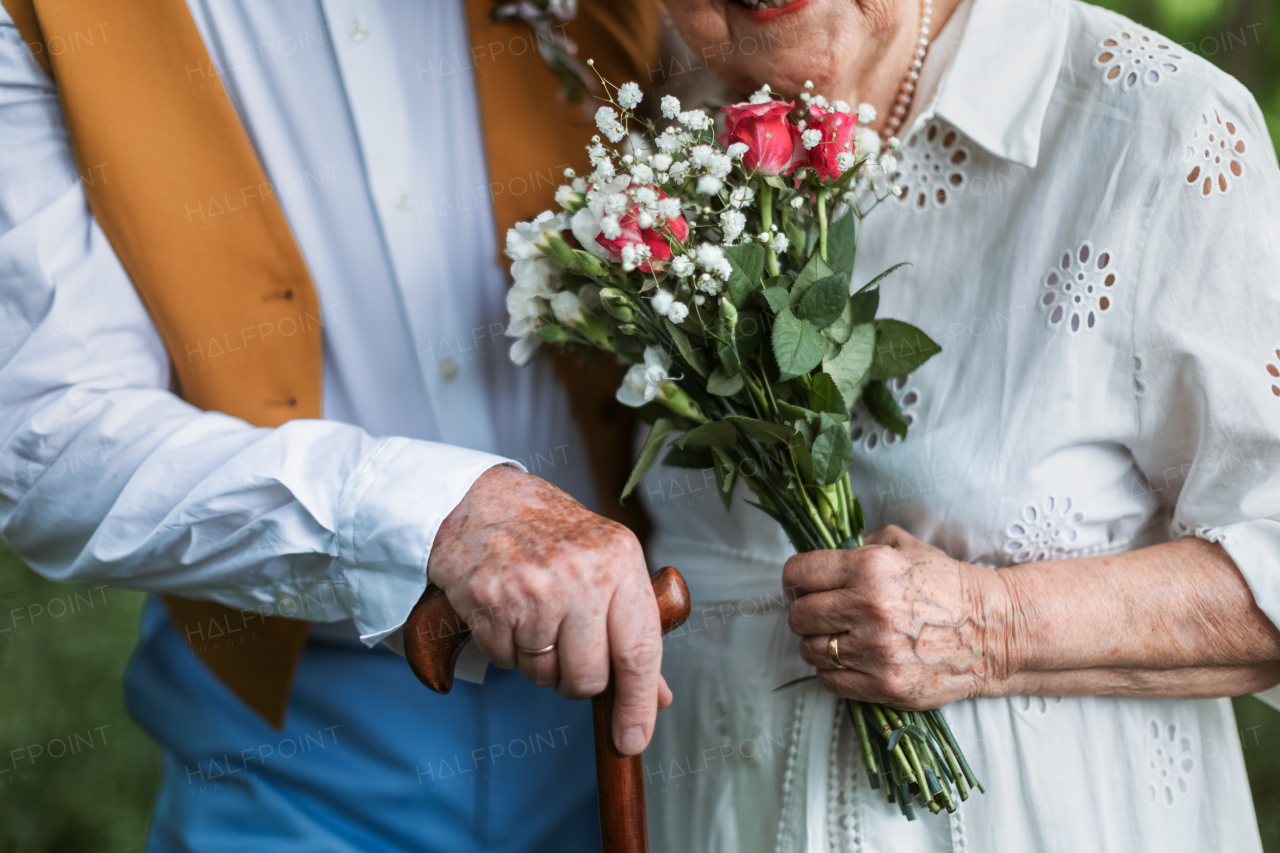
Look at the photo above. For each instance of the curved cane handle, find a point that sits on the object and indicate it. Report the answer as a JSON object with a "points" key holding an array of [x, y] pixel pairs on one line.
{"points": [[435, 634]]}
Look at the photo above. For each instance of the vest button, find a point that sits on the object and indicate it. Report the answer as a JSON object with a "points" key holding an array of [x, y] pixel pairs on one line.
{"points": [[449, 369]]}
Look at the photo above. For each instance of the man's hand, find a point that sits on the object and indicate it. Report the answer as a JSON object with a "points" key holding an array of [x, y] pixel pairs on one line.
{"points": [[526, 566], [915, 626]]}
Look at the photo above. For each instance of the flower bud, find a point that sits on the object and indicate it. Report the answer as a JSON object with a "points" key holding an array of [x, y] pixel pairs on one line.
{"points": [[674, 398], [618, 304]]}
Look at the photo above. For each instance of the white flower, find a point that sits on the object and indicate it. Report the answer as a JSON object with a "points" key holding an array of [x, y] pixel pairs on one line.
{"points": [[629, 96], [661, 162], [526, 239], [567, 307], [731, 223], [811, 137], [780, 243], [700, 155], [797, 202], [866, 114], [737, 149], [598, 154], [678, 168], [840, 106], [567, 197], [645, 196], [819, 101], [720, 165], [640, 385], [670, 106], [670, 141], [709, 184], [661, 302], [845, 160], [696, 120], [607, 121], [678, 312], [642, 173], [527, 299], [604, 172], [866, 140], [742, 196], [761, 95], [634, 254], [610, 227], [710, 256], [709, 285], [668, 208], [523, 350], [889, 164], [614, 202], [579, 185], [682, 266]]}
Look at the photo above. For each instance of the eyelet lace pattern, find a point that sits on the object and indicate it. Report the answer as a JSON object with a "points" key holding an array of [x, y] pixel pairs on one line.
{"points": [[1131, 57], [1079, 289], [932, 167], [1215, 155]]}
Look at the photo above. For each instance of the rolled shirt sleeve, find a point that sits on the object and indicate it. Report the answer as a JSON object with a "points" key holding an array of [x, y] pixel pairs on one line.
{"points": [[1207, 352], [108, 477]]}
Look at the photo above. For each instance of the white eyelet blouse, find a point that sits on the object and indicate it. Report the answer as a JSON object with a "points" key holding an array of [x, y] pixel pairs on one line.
{"points": [[1093, 219]]}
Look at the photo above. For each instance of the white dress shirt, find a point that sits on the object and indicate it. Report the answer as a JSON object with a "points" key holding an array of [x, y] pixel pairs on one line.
{"points": [[364, 115], [1092, 217]]}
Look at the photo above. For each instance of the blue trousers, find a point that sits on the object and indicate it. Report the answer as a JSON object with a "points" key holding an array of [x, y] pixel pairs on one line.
{"points": [[370, 760]]}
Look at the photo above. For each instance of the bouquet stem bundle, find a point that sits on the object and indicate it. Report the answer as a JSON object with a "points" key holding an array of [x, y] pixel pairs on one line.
{"points": [[720, 269]]}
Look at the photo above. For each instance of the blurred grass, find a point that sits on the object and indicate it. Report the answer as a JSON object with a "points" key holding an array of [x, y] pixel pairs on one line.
{"points": [[60, 675]]}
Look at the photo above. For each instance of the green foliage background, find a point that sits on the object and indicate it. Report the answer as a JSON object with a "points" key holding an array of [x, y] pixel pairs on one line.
{"points": [[62, 675]]}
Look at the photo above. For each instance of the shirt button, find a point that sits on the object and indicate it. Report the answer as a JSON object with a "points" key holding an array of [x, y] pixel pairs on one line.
{"points": [[404, 201], [287, 605], [358, 29], [449, 369]]}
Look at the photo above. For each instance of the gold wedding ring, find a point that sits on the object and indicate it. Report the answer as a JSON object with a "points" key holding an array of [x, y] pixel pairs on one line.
{"points": [[535, 652], [833, 651]]}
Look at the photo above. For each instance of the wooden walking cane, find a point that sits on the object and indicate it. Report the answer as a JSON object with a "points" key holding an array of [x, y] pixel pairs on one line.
{"points": [[435, 635]]}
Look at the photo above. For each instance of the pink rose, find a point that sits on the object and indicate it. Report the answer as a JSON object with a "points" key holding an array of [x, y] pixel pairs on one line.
{"points": [[659, 250], [773, 142], [837, 138]]}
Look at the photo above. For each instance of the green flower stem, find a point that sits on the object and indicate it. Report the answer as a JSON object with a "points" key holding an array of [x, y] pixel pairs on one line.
{"points": [[822, 223], [948, 756], [864, 739], [900, 758], [766, 225]]}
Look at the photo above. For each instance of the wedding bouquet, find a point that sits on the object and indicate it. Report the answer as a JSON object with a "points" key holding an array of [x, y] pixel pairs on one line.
{"points": [[720, 270]]}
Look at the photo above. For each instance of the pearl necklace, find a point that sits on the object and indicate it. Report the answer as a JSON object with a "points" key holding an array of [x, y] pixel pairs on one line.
{"points": [[907, 91]]}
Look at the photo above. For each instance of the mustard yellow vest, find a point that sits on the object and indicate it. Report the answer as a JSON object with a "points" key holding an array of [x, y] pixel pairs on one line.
{"points": [[174, 142]]}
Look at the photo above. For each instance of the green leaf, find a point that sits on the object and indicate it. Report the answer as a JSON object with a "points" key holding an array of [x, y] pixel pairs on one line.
{"points": [[648, 454], [849, 366], [749, 332], [762, 431], [884, 408], [804, 459], [865, 304], [842, 244], [825, 300], [747, 260], [797, 346], [724, 386], [679, 457], [900, 348], [774, 181], [890, 271], [842, 326], [726, 475], [777, 297], [687, 352], [791, 413], [832, 455], [815, 270], [708, 435], [824, 396]]}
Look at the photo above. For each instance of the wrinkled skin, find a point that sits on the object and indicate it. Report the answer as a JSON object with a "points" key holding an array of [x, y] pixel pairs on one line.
{"points": [[918, 629], [526, 566], [857, 50]]}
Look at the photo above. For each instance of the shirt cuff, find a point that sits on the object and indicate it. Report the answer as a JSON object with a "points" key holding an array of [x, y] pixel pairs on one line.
{"points": [[1255, 548], [387, 524]]}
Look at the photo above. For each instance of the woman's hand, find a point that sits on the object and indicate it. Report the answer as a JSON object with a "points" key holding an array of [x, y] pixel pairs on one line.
{"points": [[917, 629]]}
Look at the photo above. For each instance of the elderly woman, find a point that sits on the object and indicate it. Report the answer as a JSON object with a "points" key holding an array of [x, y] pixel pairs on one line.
{"points": [[1087, 554]]}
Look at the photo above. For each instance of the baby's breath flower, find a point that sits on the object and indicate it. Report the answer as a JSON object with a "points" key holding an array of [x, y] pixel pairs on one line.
{"points": [[678, 168], [682, 266], [742, 196], [642, 173], [678, 312], [700, 155], [709, 256], [866, 140], [629, 96], [662, 302], [696, 120], [845, 161], [797, 202], [737, 149], [732, 222], [709, 185], [579, 185], [668, 208], [615, 203], [598, 154], [570, 174], [866, 114], [810, 138], [720, 165], [645, 195], [840, 106], [780, 243], [607, 121], [670, 141], [661, 162], [610, 227], [670, 106], [761, 95]]}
